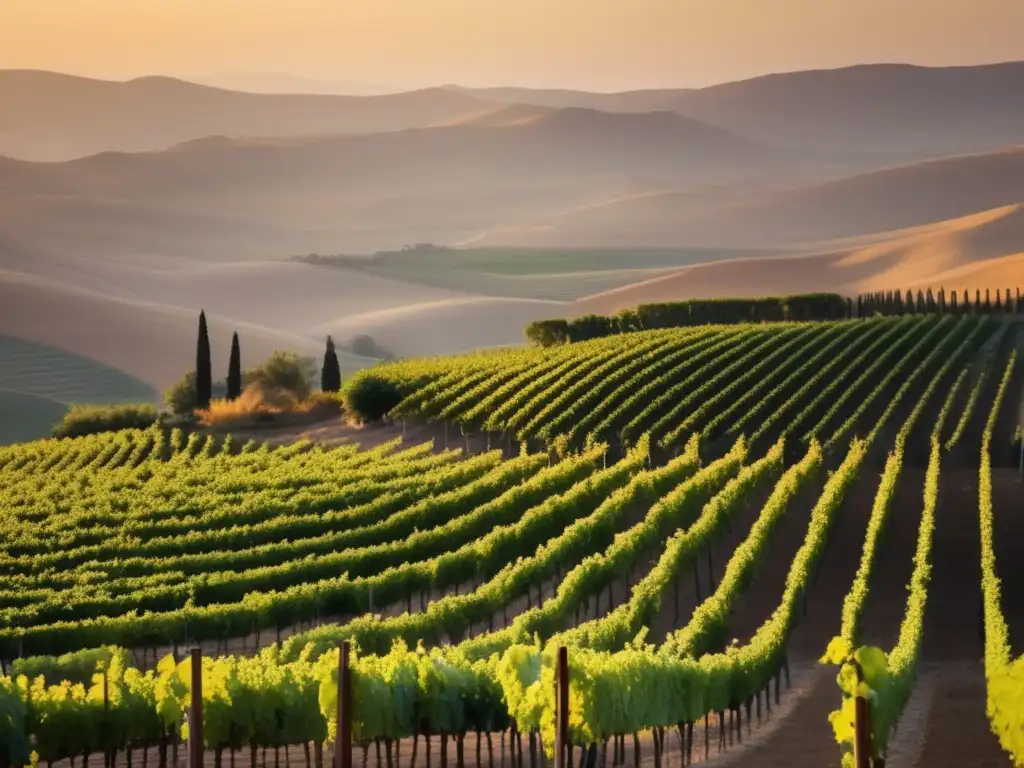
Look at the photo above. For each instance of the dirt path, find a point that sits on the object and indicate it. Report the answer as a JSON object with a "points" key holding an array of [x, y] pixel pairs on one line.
{"points": [[893, 564], [1008, 503], [957, 730]]}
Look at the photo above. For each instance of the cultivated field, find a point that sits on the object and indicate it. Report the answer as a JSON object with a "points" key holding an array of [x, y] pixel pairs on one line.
{"points": [[37, 383], [694, 513]]}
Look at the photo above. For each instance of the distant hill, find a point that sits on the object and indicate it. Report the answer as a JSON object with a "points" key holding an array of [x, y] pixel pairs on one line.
{"points": [[894, 112], [257, 198], [650, 100], [284, 82], [979, 251], [795, 215], [49, 116], [888, 112], [902, 110], [889, 199]]}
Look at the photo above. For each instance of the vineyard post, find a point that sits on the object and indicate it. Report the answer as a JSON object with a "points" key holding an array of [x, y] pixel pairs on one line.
{"points": [[195, 712], [562, 707], [861, 728], [1020, 469], [106, 718], [343, 740]]}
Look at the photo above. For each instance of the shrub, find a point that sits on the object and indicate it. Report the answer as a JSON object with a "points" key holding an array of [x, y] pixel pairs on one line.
{"points": [[223, 412], [370, 398], [181, 397], [90, 419], [324, 400], [367, 346], [284, 374], [546, 333]]}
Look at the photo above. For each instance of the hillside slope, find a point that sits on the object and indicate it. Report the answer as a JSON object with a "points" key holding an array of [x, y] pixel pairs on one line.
{"points": [[770, 214], [906, 111], [261, 198], [50, 116], [980, 251]]}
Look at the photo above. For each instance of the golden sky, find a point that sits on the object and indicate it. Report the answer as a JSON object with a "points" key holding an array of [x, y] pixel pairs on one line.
{"points": [[599, 44]]}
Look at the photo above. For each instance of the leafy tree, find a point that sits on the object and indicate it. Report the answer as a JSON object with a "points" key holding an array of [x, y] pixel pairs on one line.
{"points": [[369, 397], [204, 368], [283, 374], [91, 419], [546, 333], [235, 370], [366, 346], [180, 397], [330, 374]]}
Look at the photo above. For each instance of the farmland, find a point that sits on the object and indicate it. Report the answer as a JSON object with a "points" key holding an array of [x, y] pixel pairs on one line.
{"points": [[697, 514]]}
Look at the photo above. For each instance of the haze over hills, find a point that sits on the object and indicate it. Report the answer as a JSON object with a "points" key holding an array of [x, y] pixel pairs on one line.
{"points": [[284, 82], [862, 204], [895, 112], [266, 198], [896, 109], [650, 100], [49, 116]]}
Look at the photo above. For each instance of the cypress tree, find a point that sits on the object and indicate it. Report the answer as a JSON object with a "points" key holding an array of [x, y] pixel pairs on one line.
{"points": [[1020, 303], [942, 301], [921, 308], [953, 307], [967, 302], [860, 306], [999, 302], [909, 303], [330, 376], [898, 300], [929, 300], [977, 301], [235, 369], [988, 302], [849, 307], [204, 369]]}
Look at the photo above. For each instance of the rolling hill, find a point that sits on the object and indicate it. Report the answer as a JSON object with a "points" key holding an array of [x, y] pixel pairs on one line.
{"points": [[801, 216], [876, 112], [901, 110], [979, 251], [50, 116], [260, 198]]}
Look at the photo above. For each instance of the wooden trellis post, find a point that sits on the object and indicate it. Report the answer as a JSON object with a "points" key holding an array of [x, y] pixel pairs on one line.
{"points": [[195, 712], [861, 729], [562, 708], [343, 740]]}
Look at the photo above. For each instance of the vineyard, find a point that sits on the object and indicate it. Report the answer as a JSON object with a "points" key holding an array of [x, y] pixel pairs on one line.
{"points": [[719, 524]]}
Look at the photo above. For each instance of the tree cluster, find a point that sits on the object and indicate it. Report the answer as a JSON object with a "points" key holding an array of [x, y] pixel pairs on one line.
{"points": [[282, 373], [896, 302], [676, 314]]}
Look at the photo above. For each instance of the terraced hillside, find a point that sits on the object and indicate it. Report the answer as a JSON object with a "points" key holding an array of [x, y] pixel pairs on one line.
{"points": [[695, 514]]}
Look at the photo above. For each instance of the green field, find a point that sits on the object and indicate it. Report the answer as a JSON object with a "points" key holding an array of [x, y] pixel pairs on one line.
{"points": [[532, 273], [38, 382]]}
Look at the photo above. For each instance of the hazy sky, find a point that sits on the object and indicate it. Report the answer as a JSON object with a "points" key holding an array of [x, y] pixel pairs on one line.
{"points": [[600, 44]]}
